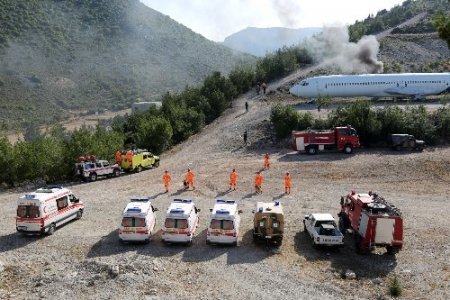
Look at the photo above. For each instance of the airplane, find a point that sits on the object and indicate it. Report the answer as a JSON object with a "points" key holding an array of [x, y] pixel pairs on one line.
{"points": [[416, 85]]}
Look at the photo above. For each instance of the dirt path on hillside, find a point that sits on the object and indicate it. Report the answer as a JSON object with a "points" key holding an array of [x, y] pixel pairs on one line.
{"points": [[84, 260]]}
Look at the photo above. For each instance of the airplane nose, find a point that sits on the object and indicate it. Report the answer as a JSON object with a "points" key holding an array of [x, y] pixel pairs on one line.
{"points": [[294, 90]]}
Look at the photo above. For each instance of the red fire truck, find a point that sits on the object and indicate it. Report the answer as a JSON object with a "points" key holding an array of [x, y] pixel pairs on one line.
{"points": [[343, 138], [374, 222]]}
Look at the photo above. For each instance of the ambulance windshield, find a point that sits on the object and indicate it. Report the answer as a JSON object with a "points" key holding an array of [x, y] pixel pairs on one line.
{"points": [[28, 211]]}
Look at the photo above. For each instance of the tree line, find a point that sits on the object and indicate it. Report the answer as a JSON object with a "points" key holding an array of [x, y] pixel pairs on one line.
{"points": [[373, 124], [50, 156]]}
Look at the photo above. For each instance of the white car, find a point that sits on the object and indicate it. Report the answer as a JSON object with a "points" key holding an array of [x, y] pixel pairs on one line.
{"points": [[138, 221], [223, 223], [181, 222]]}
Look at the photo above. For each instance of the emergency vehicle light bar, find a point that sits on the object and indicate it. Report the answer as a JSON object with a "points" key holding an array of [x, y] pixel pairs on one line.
{"points": [[177, 211], [140, 199], [29, 196], [182, 200], [225, 201], [222, 212], [134, 209]]}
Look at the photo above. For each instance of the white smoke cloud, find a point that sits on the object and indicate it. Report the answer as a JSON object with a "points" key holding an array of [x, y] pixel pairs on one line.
{"points": [[334, 49]]}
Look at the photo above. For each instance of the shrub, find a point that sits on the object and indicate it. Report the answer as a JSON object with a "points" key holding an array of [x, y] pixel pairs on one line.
{"points": [[395, 289], [285, 119]]}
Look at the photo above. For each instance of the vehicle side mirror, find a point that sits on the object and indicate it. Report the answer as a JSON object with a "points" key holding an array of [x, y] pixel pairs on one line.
{"points": [[307, 217], [240, 211], [197, 209], [210, 209], [253, 211], [155, 209]]}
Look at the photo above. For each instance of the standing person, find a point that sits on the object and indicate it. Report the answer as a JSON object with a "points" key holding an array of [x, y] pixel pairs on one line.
{"points": [[166, 180], [129, 155], [189, 179], [267, 161], [246, 106], [118, 157], [233, 180], [258, 88], [245, 137], [258, 182], [287, 183], [264, 87]]}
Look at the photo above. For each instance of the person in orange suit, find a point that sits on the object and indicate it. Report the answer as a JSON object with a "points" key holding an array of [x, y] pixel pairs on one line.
{"points": [[266, 161], [166, 180], [258, 182], [233, 179], [287, 183], [118, 157], [129, 156], [189, 179]]}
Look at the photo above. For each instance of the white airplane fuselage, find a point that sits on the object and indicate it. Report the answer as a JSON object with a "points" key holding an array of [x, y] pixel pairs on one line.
{"points": [[415, 85]]}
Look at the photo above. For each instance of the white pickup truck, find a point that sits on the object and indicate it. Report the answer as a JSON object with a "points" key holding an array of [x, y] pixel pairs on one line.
{"points": [[323, 230]]}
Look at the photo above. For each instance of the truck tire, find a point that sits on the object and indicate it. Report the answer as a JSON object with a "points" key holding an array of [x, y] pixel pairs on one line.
{"points": [[93, 176], [79, 214], [156, 164], [311, 150], [139, 169], [116, 173], [348, 149]]}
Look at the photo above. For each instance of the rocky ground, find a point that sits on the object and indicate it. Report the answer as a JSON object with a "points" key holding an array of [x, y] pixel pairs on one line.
{"points": [[84, 260]]}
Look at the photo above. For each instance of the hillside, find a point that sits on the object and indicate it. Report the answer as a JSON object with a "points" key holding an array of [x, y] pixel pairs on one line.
{"points": [[60, 56], [259, 41]]}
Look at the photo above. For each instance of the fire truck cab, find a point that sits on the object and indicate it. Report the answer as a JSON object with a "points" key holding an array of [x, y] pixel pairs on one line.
{"points": [[374, 222], [45, 209]]}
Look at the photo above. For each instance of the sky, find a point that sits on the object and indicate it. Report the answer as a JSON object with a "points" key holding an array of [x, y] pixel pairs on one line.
{"points": [[217, 19]]}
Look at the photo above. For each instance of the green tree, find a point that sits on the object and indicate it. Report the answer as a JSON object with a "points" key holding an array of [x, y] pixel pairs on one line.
{"points": [[284, 118], [441, 21], [154, 133]]}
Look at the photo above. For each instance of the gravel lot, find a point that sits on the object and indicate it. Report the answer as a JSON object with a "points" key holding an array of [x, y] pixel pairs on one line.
{"points": [[84, 260]]}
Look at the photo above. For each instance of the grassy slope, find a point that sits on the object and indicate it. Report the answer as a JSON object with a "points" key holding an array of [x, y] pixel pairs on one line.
{"points": [[59, 55]]}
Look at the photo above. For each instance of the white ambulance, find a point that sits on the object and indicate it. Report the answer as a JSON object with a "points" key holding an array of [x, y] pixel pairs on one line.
{"points": [[181, 222], [47, 208], [223, 223], [138, 221]]}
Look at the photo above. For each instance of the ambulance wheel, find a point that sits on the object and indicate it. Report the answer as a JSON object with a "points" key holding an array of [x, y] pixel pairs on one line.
{"points": [[156, 164], [138, 169], [79, 214], [208, 242], [146, 241], [51, 229], [93, 177], [116, 173]]}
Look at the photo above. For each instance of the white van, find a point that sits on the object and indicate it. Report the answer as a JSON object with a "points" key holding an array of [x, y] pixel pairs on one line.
{"points": [[138, 221], [45, 209], [181, 222], [223, 223]]}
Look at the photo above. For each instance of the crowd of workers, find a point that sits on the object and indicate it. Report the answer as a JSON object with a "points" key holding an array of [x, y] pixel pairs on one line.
{"points": [[188, 181]]}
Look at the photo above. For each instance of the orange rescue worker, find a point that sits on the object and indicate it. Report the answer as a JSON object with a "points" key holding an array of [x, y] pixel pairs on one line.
{"points": [[266, 161], [287, 183], [129, 155], [189, 180], [166, 180], [233, 179], [118, 157], [258, 182]]}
